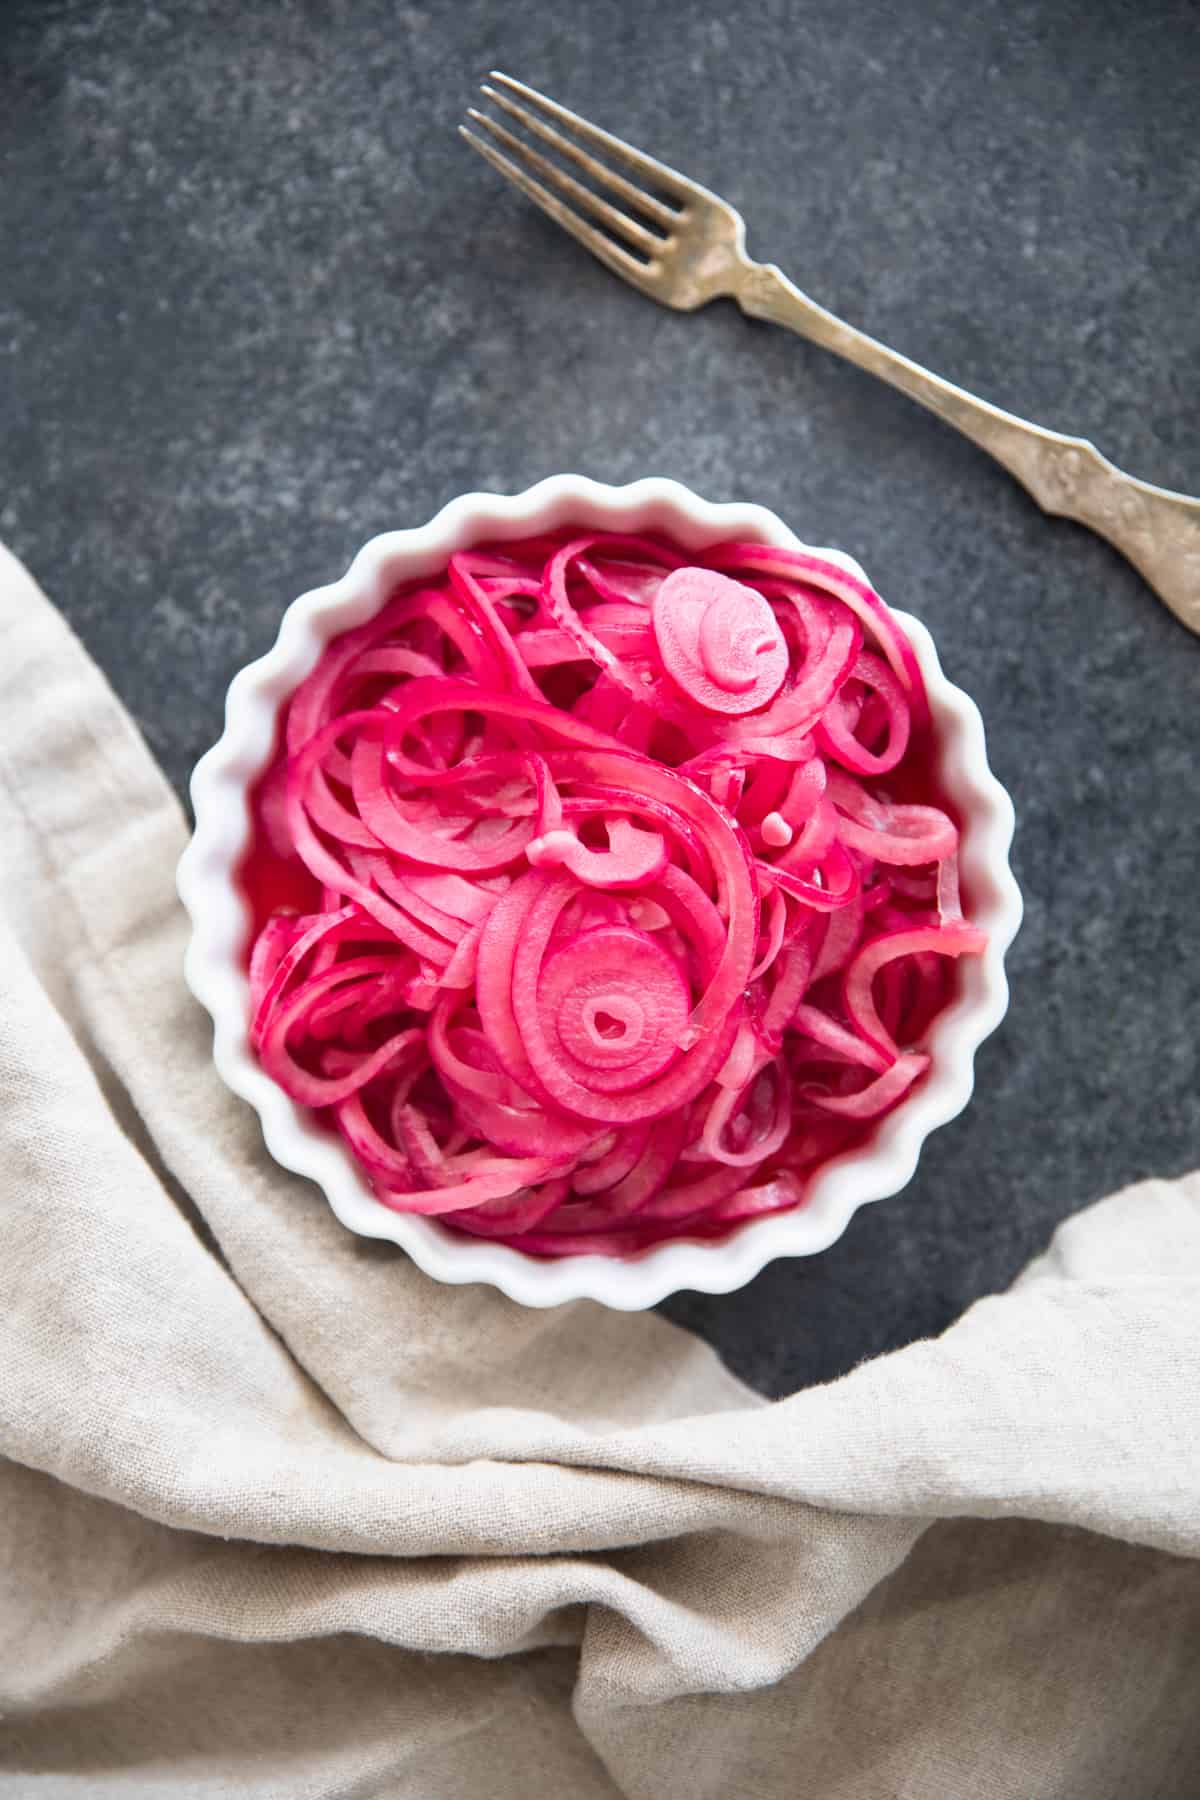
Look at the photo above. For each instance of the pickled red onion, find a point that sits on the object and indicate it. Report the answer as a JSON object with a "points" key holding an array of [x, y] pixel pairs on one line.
{"points": [[624, 898]]}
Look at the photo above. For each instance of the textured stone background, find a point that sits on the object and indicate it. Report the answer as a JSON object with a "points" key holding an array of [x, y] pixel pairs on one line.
{"points": [[258, 303]]}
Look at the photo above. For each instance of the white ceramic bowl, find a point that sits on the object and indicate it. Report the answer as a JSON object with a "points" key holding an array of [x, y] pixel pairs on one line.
{"points": [[221, 924]]}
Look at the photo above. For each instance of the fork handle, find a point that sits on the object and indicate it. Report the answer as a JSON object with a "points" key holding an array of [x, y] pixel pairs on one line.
{"points": [[1157, 530]]}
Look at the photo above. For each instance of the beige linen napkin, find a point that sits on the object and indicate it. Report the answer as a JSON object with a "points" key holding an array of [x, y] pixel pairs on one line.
{"points": [[281, 1518]]}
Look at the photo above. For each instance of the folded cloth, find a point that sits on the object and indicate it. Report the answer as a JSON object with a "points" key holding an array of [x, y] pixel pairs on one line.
{"points": [[282, 1518]]}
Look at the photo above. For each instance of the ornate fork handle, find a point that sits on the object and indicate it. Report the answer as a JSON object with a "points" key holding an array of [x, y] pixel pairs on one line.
{"points": [[1159, 531]]}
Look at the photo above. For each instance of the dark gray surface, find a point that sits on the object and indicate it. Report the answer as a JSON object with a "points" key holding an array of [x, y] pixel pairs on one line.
{"points": [[257, 303]]}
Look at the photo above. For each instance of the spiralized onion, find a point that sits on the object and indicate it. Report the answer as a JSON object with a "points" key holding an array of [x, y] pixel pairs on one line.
{"points": [[603, 893]]}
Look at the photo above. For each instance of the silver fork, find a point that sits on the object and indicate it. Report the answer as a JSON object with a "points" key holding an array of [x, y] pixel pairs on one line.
{"points": [[687, 246]]}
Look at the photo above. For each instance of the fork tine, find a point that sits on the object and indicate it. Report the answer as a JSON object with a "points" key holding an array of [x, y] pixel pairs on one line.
{"points": [[630, 229], [676, 186], [612, 255], [601, 172]]}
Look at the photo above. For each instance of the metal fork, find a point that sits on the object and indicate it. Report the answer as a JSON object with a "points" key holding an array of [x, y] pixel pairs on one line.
{"points": [[684, 246]]}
